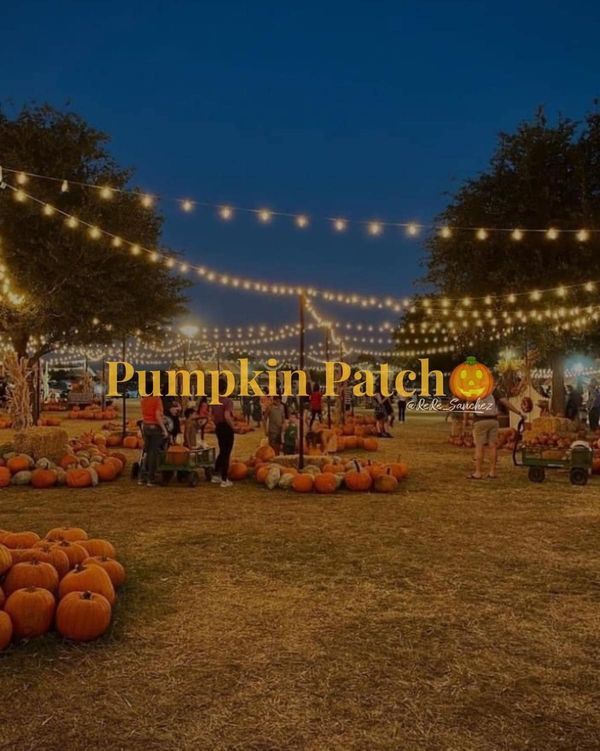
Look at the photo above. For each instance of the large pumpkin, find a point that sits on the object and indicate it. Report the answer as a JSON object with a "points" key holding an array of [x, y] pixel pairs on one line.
{"points": [[19, 463], [6, 560], [79, 478], [20, 539], [471, 380], [31, 611], [358, 479], [74, 552], [265, 454], [302, 483], [178, 455], [43, 478], [96, 546], [34, 573], [51, 554], [83, 577], [385, 483], [326, 482], [83, 616], [238, 471], [66, 533], [6, 629], [113, 568], [5, 476]]}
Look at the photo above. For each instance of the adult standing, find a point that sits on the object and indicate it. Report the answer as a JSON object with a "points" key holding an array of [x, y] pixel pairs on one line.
{"points": [[274, 423], [485, 431], [316, 404], [222, 414], [401, 409], [594, 406], [155, 434]]}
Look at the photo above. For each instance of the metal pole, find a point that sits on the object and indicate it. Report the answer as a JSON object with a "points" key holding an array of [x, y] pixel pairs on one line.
{"points": [[102, 393], [124, 358], [327, 360], [300, 397]]}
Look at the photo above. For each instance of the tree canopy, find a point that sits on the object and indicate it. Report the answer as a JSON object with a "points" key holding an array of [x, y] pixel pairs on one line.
{"points": [[78, 290]]}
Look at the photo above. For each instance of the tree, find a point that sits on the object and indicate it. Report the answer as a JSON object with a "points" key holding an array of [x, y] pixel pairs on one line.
{"points": [[77, 290], [539, 177]]}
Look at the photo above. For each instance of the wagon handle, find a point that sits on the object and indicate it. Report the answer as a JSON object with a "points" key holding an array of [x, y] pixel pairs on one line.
{"points": [[520, 429]]}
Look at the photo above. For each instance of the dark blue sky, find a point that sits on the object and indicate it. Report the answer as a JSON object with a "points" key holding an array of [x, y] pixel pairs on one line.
{"points": [[366, 109]]}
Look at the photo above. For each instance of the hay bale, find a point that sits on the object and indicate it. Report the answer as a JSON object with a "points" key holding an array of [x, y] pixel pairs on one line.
{"points": [[41, 442]]}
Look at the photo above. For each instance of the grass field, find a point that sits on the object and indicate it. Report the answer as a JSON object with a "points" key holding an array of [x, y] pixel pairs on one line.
{"points": [[451, 615]]}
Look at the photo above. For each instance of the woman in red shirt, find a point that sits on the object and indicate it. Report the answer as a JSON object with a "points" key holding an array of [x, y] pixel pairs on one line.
{"points": [[222, 415], [154, 432], [316, 405]]}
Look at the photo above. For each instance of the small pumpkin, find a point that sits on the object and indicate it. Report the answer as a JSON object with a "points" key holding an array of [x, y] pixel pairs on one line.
{"points": [[262, 472], [31, 611], [326, 482], [79, 478], [265, 454], [33, 573], [238, 471], [19, 463], [68, 461], [385, 483], [302, 483], [5, 477], [6, 560], [74, 552], [178, 455], [97, 546], [113, 568], [6, 630], [84, 577], [107, 471], [57, 557], [21, 478], [130, 442], [118, 463], [370, 444], [83, 616], [272, 477], [21, 539], [66, 533], [358, 478], [398, 469]]}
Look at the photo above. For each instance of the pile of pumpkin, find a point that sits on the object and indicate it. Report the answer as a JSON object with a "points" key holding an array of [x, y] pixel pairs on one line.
{"points": [[110, 439], [240, 426], [66, 579], [332, 476], [506, 439], [81, 468], [93, 413]]}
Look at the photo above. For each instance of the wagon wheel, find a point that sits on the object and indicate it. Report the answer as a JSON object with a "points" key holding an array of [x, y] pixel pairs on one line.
{"points": [[537, 474], [166, 476], [578, 476], [183, 476], [193, 479]]}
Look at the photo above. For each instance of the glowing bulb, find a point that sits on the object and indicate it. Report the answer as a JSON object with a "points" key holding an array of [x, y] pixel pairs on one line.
{"points": [[264, 215], [183, 268], [512, 298], [589, 287], [412, 229], [561, 291], [552, 233], [135, 249], [187, 205], [375, 228], [71, 222], [20, 196], [339, 225], [154, 256], [482, 234], [146, 200], [583, 235], [94, 233], [48, 210], [64, 188], [517, 234], [445, 232], [106, 193], [301, 221], [170, 263], [536, 294], [226, 212], [21, 178], [488, 300]]}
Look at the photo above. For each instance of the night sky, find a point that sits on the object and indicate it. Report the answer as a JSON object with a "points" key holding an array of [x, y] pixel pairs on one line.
{"points": [[369, 110]]}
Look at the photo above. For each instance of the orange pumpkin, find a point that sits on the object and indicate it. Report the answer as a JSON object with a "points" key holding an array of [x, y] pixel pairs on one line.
{"points": [[6, 560], [385, 483], [74, 552], [31, 611], [302, 483], [98, 547], [43, 478], [262, 472], [46, 552], [106, 471], [66, 533], [325, 482], [398, 469], [265, 454], [5, 476], [113, 440], [118, 463], [113, 568], [238, 471], [6, 629], [121, 457], [19, 463], [83, 616], [131, 442], [471, 380], [78, 478], [2, 598], [32, 573], [370, 444], [83, 577], [178, 455], [358, 479], [68, 460], [20, 539]]}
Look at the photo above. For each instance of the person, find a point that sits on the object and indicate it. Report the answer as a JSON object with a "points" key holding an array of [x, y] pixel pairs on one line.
{"points": [[574, 402], [274, 423], [246, 405], [222, 414], [389, 411], [401, 409], [202, 416], [256, 410], [155, 434], [594, 407], [380, 412], [190, 430], [174, 421], [316, 405], [290, 436], [347, 398], [485, 431]]}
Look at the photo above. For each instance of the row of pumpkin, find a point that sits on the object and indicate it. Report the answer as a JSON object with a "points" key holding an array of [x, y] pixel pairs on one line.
{"points": [[66, 579], [81, 469]]}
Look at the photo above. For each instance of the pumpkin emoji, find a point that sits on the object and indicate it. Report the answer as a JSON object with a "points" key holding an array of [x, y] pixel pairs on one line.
{"points": [[471, 380]]}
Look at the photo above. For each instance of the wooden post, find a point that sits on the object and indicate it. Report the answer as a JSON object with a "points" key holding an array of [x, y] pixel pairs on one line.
{"points": [[102, 385], [124, 358], [300, 397], [327, 360]]}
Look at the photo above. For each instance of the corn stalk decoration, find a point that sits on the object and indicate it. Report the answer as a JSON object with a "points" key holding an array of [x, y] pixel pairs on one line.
{"points": [[19, 405]]}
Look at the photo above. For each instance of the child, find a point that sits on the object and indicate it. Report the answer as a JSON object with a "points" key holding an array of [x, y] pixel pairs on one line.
{"points": [[290, 436], [202, 416], [190, 430], [316, 408]]}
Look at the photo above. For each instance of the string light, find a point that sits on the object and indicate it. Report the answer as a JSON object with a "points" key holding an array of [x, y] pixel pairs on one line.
{"points": [[71, 222], [226, 212], [117, 242], [517, 234], [94, 233], [20, 196], [339, 225], [48, 210], [147, 200], [375, 228], [264, 215], [187, 205], [583, 235], [412, 229], [64, 188], [106, 193], [21, 178], [445, 232], [302, 221], [552, 233], [482, 234]]}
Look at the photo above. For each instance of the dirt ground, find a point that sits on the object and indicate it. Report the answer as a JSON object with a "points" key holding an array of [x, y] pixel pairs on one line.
{"points": [[453, 614]]}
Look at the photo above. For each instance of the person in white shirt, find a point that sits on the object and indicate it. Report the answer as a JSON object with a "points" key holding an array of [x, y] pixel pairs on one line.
{"points": [[485, 432]]}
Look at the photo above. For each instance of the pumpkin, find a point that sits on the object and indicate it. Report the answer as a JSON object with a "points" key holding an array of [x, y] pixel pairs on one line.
{"points": [[285, 481], [398, 469], [31, 611], [74, 552], [289, 471], [113, 440], [272, 477], [84, 577], [326, 482], [79, 478], [6, 560], [6, 629], [21, 478], [43, 478], [98, 547], [385, 483], [112, 567], [131, 442], [370, 444], [262, 472], [57, 557], [68, 461], [471, 380], [106, 471], [21, 539], [83, 616], [117, 463], [19, 463], [66, 533], [265, 453], [5, 476], [32, 573], [238, 471], [121, 457], [302, 483], [178, 455], [357, 478], [2, 598]]}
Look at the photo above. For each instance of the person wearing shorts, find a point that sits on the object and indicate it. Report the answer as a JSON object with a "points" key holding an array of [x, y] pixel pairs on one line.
{"points": [[485, 432]]}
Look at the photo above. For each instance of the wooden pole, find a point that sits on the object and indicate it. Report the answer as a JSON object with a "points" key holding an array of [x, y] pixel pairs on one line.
{"points": [[300, 397], [102, 385], [124, 398], [327, 360]]}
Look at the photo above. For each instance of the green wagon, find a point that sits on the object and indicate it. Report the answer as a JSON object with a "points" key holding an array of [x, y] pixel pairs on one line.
{"points": [[198, 460]]}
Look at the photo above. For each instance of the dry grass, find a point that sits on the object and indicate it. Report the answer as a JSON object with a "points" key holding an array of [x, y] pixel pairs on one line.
{"points": [[452, 615]]}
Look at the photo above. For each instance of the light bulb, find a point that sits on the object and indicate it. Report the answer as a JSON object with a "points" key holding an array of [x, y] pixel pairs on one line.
{"points": [[445, 232], [48, 210], [264, 215], [94, 233], [21, 178], [301, 221], [517, 234], [583, 235], [375, 228], [552, 233], [106, 193], [482, 234], [412, 229], [226, 212], [339, 225], [146, 200], [187, 205]]}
